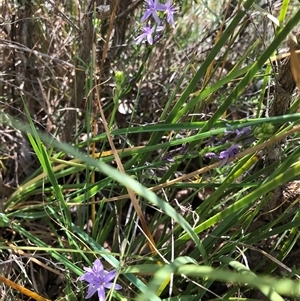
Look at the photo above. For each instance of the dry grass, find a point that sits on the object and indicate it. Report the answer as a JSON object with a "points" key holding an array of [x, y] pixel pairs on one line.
{"points": [[52, 57]]}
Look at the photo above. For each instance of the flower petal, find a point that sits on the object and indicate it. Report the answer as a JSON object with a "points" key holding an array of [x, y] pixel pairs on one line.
{"points": [[88, 277], [117, 287], [101, 293], [150, 39], [91, 291], [146, 15], [98, 266], [89, 270], [114, 286], [110, 276]]}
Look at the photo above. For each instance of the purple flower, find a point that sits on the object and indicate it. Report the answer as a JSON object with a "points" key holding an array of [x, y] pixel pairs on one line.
{"points": [[148, 34], [170, 10], [98, 280], [245, 131], [231, 152], [152, 7]]}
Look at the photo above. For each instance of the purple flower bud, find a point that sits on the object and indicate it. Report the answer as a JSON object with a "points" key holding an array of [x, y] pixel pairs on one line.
{"points": [[169, 158], [210, 155]]}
